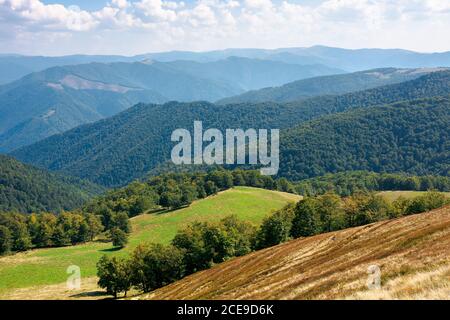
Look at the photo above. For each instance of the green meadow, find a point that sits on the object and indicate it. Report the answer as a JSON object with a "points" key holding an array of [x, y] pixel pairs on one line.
{"points": [[48, 266]]}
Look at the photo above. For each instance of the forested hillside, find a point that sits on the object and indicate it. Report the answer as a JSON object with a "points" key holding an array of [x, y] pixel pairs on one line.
{"points": [[410, 136], [138, 139], [327, 85], [26, 189]]}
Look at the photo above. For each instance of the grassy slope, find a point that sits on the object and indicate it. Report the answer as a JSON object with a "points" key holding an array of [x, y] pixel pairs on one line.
{"points": [[48, 266], [394, 195], [413, 253]]}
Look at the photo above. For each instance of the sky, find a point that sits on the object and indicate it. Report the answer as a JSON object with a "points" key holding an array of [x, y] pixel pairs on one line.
{"points": [[60, 27]]}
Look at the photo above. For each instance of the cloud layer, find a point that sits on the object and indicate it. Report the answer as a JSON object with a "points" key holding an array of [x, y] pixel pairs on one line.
{"points": [[126, 27]]}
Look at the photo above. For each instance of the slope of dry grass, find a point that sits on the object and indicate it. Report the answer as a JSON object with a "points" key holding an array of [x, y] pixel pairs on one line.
{"points": [[413, 254]]}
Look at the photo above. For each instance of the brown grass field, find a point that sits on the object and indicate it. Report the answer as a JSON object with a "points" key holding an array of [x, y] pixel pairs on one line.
{"points": [[413, 254]]}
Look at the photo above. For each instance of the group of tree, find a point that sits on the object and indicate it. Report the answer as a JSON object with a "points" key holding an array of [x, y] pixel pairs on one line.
{"points": [[175, 190], [195, 248], [329, 212], [20, 232], [351, 182]]}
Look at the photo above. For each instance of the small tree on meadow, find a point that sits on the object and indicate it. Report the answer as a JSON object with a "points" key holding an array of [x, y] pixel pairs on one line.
{"points": [[114, 275], [154, 266], [119, 238]]}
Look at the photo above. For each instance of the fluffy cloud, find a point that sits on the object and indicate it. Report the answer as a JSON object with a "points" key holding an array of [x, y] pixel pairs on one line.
{"points": [[149, 25]]}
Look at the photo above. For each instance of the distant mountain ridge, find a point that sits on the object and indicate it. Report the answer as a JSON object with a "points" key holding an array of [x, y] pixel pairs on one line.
{"points": [[114, 151], [60, 98], [330, 85], [16, 66]]}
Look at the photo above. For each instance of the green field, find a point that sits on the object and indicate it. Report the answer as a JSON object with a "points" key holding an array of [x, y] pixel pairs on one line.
{"points": [[48, 266]]}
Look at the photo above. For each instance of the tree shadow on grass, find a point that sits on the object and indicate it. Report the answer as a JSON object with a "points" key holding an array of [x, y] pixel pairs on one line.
{"points": [[164, 211], [92, 294], [112, 249]]}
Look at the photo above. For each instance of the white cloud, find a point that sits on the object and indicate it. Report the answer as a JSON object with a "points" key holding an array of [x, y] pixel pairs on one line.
{"points": [[150, 25]]}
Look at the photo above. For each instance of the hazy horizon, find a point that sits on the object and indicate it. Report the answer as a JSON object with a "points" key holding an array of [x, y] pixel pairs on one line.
{"points": [[219, 50], [121, 27]]}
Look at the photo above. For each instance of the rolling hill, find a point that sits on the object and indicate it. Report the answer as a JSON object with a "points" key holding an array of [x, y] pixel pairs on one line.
{"points": [[27, 189], [403, 137], [48, 266], [138, 139], [410, 137], [412, 254], [329, 85]]}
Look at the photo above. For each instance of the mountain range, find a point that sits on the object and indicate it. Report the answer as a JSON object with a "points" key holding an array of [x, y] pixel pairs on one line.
{"points": [[114, 151], [16, 66], [59, 98], [330, 85]]}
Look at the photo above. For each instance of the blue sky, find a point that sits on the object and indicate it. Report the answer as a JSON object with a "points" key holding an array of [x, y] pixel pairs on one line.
{"points": [[56, 27]]}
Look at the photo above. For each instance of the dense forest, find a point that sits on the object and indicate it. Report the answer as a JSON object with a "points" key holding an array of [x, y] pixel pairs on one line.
{"points": [[138, 139], [26, 189], [411, 137]]}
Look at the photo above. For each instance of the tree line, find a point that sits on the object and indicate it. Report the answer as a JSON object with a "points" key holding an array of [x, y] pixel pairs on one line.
{"points": [[108, 215], [201, 245], [19, 232], [350, 182]]}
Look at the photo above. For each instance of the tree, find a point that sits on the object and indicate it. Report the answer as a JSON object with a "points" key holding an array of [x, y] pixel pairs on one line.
{"points": [[239, 234], [329, 209], [17, 225], [275, 229], [121, 221], [45, 230], [284, 185], [95, 226], [119, 238], [217, 245], [306, 219], [114, 275], [211, 188], [5, 240], [191, 240], [154, 266]]}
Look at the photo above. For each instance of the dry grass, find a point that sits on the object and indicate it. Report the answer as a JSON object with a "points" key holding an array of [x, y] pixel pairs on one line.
{"points": [[87, 291], [413, 254]]}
